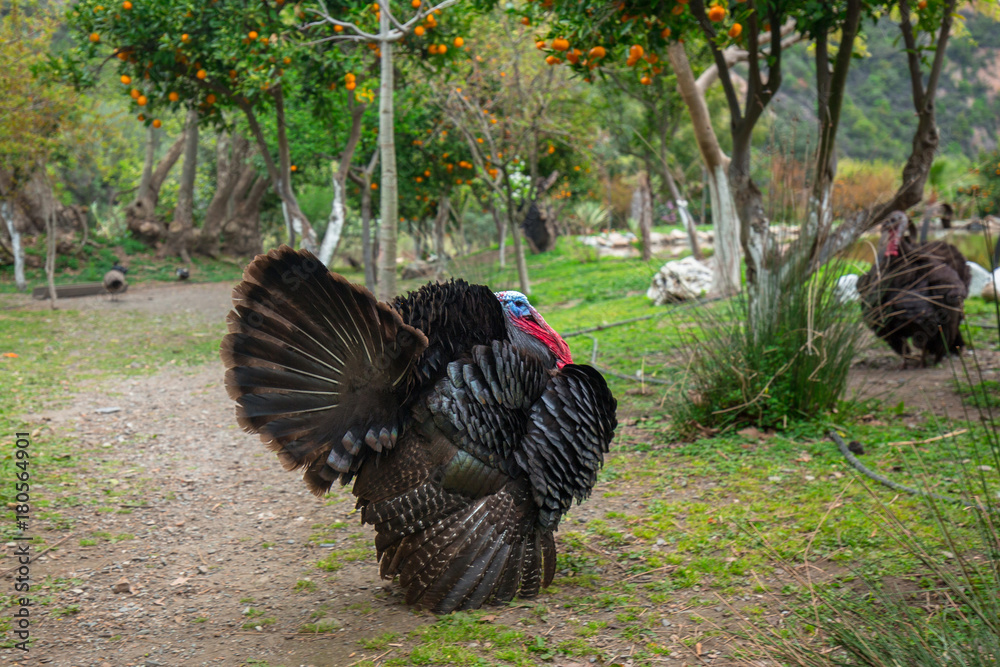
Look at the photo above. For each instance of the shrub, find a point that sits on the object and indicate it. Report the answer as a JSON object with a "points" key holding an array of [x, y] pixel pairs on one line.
{"points": [[792, 364]]}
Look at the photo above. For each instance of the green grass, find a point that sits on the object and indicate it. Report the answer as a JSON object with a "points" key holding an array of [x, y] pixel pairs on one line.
{"points": [[97, 258]]}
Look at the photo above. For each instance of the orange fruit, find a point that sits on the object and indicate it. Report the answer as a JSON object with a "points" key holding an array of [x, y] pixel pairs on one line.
{"points": [[126, 79], [122, 56], [442, 48], [157, 123], [644, 81], [252, 34], [349, 77], [415, 4], [173, 97], [141, 117], [201, 74], [540, 44], [677, 10], [141, 100], [419, 31], [427, 173], [525, 20], [338, 28], [185, 38], [128, 5], [574, 56], [210, 99], [293, 168], [716, 13], [560, 44], [432, 49], [598, 52], [232, 74], [736, 30], [552, 60], [134, 93], [94, 37], [287, 61], [636, 50], [374, 186], [922, 4], [665, 33], [420, 179], [350, 85], [459, 42], [652, 59]]}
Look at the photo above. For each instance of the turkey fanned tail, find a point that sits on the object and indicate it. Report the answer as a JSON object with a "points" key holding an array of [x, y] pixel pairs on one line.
{"points": [[316, 365]]}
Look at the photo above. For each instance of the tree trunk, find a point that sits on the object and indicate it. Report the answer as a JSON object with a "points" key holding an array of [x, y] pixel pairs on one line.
{"points": [[501, 225], [241, 232], [338, 213], [646, 216], [50, 255], [181, 231], [363, 179], [925, 140], [441, 259], [140, 214], [389, 209], [335, 224], [17, 249], [280, 172], [829, 100], [685, 215], [726, 279], [232, 174]]}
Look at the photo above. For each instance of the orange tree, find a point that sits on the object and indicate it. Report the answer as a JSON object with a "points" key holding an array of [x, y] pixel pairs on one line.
{"points": [[520, 120], [381, 27], [643, 33], [215, 57], [33, 113]]}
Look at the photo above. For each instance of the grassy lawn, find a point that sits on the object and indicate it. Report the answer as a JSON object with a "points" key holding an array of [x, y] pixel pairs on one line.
{"points": [[727, 526]]}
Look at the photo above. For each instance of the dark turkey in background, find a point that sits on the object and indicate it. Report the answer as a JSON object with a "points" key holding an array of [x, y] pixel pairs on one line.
{"points": [[915, 292], [458, 414]]}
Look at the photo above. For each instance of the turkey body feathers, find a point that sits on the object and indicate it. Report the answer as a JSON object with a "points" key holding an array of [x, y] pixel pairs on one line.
{"points": [[465, 449], [918, 295]]}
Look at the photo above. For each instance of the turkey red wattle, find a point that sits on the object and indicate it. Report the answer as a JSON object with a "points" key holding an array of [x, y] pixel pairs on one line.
{"points": [[523, 316]]}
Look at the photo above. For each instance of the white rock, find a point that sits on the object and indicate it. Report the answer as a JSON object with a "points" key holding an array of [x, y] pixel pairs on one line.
{"points": [[980, 279], [678, 280], [846, 290]]}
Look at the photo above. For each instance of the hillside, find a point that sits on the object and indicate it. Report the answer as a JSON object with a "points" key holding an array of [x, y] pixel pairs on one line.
{"points": [[878, 120]]}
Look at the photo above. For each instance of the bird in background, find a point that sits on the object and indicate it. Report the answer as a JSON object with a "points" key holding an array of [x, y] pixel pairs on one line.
{"points": [[458, 414], [114, 280], [182, 273], [915, 292]]}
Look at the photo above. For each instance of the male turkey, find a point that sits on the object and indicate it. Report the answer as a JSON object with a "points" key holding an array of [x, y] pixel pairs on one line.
{"points": [[915, 292], [458, 413]]}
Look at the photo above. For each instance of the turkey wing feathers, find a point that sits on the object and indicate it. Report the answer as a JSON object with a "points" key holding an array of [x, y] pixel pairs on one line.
{"points": [[316, 365], [570, 431]]}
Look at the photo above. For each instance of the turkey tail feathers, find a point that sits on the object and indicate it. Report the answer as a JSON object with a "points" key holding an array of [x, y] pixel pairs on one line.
{"points": [[316, 365]]}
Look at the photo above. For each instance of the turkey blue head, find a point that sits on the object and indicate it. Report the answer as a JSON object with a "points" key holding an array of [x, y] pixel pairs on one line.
{"points": [[528, 330]]}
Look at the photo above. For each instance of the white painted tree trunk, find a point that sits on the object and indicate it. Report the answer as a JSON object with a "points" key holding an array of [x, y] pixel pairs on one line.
{"points": [[335, 225], [7, 213], [387, 145], [726, 229]]}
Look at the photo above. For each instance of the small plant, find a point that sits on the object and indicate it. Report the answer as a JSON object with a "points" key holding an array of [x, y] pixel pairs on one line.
{"points": [[790, 364]]}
